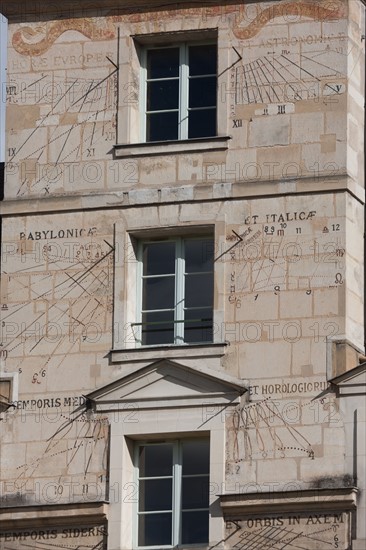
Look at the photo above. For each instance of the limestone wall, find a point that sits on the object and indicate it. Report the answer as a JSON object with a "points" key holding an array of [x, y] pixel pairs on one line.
{"points": [[282, 197]]}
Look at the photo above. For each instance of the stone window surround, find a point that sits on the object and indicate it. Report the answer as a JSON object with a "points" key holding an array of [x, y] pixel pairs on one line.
{"points": [[128, 139], [122, 474], [199, 401], [125, 302]]}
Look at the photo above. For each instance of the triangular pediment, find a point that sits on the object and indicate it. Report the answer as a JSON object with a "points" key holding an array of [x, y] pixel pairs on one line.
{"points": [[352, 382], [165, 384]]}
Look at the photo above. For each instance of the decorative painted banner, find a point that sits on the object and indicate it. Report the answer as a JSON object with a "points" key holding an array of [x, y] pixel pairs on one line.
{"points": [[35, 42]]}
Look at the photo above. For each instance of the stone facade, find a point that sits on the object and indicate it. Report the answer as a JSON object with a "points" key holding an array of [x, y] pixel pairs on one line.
{"points": [[279, 189]]}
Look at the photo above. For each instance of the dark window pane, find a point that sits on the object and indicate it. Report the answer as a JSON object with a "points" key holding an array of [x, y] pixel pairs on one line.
{"points": [[159, 258], [202, 123], [202, 59], [194, 527], [196, 457], [158, 293], [155, 494], [163, 95], [163, 63], [202, 92], [194, 492], [158, 328], [198, 330], [198, 290], [199, 255], [5, 391], [155, 529], [162, 126], [156, 460]]}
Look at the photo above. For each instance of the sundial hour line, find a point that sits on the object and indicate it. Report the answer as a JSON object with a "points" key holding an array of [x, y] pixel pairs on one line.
{"points": [[263, 83], [98, 83], [45, 118], [270, 83], [301, 68]]}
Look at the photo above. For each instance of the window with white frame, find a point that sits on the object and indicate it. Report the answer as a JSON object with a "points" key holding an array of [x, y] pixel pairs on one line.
{"points": [[8, 387], [173, 493], [5, 394], [179, 91], [175, 303]]}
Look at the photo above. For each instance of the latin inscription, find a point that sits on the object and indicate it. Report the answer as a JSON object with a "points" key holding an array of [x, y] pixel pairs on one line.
{"points": [[283, 217], [311, 519], [311, 531], [53, 534], [288, 388], [50, 403], [61, 234]]}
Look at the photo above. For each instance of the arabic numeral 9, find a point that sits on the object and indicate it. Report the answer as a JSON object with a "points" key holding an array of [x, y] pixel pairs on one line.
{"points": [[336, 540]]}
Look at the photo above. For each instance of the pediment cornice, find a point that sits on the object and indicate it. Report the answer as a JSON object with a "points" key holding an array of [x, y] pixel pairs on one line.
{"points": [[165, 384]]}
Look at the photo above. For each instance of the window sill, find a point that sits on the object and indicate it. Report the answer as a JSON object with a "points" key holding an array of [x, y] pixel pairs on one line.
{"points": [[198, 145], [168, 352]]}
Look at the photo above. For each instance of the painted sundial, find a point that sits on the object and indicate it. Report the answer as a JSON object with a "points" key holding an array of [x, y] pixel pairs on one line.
{"points": [[76, 123], [267, 255], [57, 297], [290, 532], [287, 77]]}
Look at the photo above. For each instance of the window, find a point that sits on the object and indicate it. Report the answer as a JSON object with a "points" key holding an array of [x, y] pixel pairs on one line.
{"points": [[8, 386], [5, 394], [173, 489], [176, 289], [179, 92]]}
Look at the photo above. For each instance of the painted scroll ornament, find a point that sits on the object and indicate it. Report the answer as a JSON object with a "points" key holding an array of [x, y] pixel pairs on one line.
{"points": [[36, 41]]}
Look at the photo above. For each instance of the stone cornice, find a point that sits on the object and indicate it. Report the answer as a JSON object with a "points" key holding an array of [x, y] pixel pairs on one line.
{"points": [[154, 196], [237, 505], [85, 513]]}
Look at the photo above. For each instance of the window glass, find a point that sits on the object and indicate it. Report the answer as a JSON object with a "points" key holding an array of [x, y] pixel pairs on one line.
{"points": [[173, 505], [202, 123], [158, 292], [202, 92], [163, 95], [159, 258], [155, 494], [158, 328], [162, 63], [155, 529], [202, 59], [194, 527], [199, 255], [194, 492], [198, 326], [196, 456], [198, 290], [5, 390], [181, 92], [162, 126], [156, 460]]}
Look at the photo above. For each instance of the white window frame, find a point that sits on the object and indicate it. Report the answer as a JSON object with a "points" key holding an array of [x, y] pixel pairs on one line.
{"points": [[177, 493], [183, 86], [11, 377], [179, 289]]}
